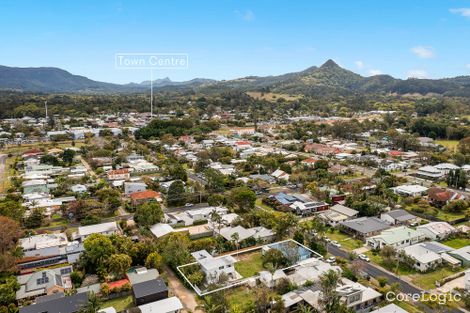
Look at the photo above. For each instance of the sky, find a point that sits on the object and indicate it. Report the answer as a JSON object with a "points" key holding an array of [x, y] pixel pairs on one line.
{"points": [[229, 39]]}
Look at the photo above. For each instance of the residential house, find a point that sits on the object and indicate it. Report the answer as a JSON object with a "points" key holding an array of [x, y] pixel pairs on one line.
{"points": [[44, 282], [446, 167], [308, 208], [35, 186], [280, 175], [168, 305], [410, 190], [104, 228], [462, 254], [337, 213], [149, 291], [321, 149], [259, 233], [57, 303], [131, 187], [430, 172], [214, 267], [364, 227], [397, 237], [140, 197], [141, 274], [390, 308], [442, 196], [436, 230], [119, 174], [425, 258], [399, 217], [309, 162]]}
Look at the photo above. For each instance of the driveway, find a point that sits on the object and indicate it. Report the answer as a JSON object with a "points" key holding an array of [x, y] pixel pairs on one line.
{"points": [[187, 297]]}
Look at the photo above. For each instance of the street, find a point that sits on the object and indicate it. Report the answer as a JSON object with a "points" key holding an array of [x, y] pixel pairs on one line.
{"points": [[376, 271]]}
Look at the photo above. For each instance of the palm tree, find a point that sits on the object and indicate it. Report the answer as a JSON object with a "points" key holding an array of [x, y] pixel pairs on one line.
{"points": [[235, 237]]}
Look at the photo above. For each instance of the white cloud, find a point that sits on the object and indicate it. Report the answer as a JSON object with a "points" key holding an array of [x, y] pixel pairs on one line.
{"points": [[467, 66], [417, 74], [465, 12], [423, 52], [359, 64], [373, 72], [248, 15]]}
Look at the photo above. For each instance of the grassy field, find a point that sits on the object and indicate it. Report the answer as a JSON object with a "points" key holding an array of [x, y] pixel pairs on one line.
{"points": [[346, 241], [449, 217], [450, 145], [427, 280], [250, 264], [119, 304], [457, 243], [259, 202], [400, 270]]}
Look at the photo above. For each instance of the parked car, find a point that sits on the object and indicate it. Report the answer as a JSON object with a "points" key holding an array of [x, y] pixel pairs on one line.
{"points": [[364, 257], [326, 239], [336, 243], [188, 204], [331, 259]]}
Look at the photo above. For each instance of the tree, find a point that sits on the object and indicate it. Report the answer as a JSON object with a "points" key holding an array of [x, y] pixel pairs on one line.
{"points": [[118, 264], [215, 199], [10, 232], [35, 219], [242, 199], [330, 300], [176, 194], [153, 260], [98, 249], [8, 289], [215, 180], [148, 214], [67, 156], [11, 208], [93, 305], [274, 257]]}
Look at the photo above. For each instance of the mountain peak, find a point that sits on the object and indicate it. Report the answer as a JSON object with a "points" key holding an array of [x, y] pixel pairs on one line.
{"points": [[329, 64]]}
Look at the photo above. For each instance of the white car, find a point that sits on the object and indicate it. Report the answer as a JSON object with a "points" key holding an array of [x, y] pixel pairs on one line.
{"points": [[188, 204], [331, 259], [364, 257], [326, 239], [336, 244]]}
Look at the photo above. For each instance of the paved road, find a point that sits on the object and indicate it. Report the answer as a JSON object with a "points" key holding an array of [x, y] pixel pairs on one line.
{"points": [[375, 271]]}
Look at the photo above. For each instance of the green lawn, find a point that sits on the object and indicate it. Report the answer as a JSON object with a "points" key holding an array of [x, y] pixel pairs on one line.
{"points": [[450, 145], [457, 243], [400, 270], [427, 280], [260, 203], [346, 241], [449, 217], [120, 304], [250, 264], [241, 299]]}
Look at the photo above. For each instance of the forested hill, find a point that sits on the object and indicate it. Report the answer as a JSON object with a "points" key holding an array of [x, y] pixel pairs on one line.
{"points": [[329, 79]]}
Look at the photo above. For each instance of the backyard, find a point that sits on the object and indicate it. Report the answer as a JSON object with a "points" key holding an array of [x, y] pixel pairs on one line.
{"points": [[427, 280], [346, 241], [457, 243], [249, 264], [120, 304]]}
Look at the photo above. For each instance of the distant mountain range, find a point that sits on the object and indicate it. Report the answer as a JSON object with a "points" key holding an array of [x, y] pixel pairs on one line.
{"points": [[329, 78]]}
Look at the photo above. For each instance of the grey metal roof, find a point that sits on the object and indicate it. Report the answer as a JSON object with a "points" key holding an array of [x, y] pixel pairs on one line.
{"points": [[401, 215], [149, 287], [69, 304], [366, 225], [436, 247]]}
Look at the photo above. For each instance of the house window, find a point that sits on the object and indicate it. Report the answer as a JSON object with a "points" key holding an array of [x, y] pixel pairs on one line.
{"points": [[221, 268], [65, 271], [43, 280]]}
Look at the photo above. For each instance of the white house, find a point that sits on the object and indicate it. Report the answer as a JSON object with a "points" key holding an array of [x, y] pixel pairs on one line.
{"points": [[410, 190], [430, 172], [397, 237], [425, 259], [168, 305], [214, 267], [436, 230]]}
